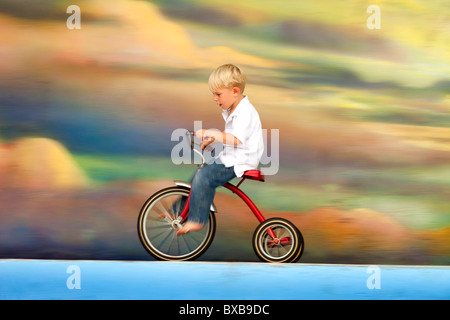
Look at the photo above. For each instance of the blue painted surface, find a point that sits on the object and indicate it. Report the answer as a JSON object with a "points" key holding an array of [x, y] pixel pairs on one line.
{"points": [[47, 279]]}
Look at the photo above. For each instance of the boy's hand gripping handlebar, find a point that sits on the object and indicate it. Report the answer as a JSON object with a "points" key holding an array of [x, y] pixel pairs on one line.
{"points": [[191, 135]]}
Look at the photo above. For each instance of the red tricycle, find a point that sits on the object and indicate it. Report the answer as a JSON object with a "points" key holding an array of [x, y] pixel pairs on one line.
{"points": [[274, 240]]}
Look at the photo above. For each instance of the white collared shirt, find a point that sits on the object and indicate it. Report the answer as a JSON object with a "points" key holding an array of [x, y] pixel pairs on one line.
{"points": [[245, 125]]}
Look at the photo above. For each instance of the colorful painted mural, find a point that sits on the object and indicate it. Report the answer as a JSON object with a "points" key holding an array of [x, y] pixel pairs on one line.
{"points": [[359, 92]]}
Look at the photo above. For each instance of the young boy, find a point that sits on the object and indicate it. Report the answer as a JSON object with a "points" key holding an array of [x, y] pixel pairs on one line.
{"points": [[242, 141]]}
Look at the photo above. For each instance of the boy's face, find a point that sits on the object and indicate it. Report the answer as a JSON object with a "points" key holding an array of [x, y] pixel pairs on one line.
{"points": [[227, 97]]}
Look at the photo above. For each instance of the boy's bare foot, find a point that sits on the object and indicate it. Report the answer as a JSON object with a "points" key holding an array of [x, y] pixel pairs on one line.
{"points": [[190, 226]]}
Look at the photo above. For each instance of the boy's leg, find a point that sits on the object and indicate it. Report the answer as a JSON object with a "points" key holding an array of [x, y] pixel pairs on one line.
{"points": [[203, 189]]}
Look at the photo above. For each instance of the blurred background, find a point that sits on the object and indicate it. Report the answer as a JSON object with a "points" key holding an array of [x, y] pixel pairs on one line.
{"points": [[86, 117]]}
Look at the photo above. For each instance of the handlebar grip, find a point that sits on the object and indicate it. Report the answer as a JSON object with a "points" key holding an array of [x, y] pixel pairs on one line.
{"points": [[191, 134]]}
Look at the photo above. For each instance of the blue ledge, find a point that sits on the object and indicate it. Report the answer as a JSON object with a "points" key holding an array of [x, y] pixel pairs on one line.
{"points": [[121, 280]]}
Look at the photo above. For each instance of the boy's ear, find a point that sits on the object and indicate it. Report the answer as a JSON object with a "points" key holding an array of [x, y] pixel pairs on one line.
{"points": [[236, 90]]}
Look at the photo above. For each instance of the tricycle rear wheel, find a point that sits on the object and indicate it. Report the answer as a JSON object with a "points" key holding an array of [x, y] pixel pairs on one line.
{"points": [[287, 246]]}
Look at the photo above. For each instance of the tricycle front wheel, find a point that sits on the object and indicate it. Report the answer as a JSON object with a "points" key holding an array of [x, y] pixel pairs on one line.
{"points": [[159, 222]]}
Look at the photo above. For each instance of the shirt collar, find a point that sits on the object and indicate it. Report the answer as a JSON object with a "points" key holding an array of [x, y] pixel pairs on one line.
{"points": [[227, 116]]}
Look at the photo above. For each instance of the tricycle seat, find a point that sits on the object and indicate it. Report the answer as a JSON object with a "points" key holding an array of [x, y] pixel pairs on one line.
{"points": [[253, 175]]}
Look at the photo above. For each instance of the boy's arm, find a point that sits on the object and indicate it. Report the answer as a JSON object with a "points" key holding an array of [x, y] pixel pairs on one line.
{"points": [[223, 137]]}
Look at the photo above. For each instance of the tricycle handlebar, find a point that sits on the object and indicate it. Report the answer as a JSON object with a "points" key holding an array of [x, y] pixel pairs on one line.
{"points": [[191, 135]]}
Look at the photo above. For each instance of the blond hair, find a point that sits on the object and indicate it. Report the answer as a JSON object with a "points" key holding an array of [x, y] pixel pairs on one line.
{"points": [[227, 76]]}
